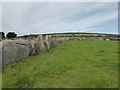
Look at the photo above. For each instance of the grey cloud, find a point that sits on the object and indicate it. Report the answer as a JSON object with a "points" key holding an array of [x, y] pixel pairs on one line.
{"points": [[26, 18]]}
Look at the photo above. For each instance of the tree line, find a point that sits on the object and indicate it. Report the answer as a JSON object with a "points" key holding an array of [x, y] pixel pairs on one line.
{"points": [[9, 35]]}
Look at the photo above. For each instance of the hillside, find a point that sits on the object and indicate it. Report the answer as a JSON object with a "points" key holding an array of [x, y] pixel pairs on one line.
{"points": [[73, 64]]}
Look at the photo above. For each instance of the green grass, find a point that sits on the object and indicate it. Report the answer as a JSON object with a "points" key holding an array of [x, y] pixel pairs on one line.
{"points": [[73, 64]]}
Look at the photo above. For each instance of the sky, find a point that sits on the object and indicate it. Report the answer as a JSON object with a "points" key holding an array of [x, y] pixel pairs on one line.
{"points": [[56, 17]]}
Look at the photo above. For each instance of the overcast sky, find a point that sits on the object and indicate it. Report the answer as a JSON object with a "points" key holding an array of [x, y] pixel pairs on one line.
{"points": [[47, 17]]}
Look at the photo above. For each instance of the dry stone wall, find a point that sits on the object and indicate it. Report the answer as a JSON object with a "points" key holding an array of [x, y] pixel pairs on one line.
{"points": [[15, 50]]}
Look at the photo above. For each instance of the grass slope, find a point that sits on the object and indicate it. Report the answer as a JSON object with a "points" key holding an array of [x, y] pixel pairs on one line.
{"points": [[73, 64]]}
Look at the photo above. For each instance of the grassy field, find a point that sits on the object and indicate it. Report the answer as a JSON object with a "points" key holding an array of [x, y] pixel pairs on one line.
{"points": [[73, 64]]}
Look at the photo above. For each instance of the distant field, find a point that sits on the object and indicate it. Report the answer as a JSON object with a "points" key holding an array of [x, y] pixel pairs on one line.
{"points": [[87, 38], [73, 64]]}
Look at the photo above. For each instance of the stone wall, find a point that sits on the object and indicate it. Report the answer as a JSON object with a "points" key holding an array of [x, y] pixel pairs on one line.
{"points": [[15, 50]]}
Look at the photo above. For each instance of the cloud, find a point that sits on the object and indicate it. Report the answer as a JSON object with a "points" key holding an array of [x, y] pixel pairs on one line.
{"points": [[1, 17], [60, 0], [46, 17]]}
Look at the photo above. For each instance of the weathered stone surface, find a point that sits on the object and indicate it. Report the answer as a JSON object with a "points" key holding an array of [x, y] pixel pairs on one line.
{"points": [[100, 39], [107, 39], [33, 42], [0, 54], [56, 41], [53, 42], [48, 41], [76, 38], [38, 45], [14, 50]]}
